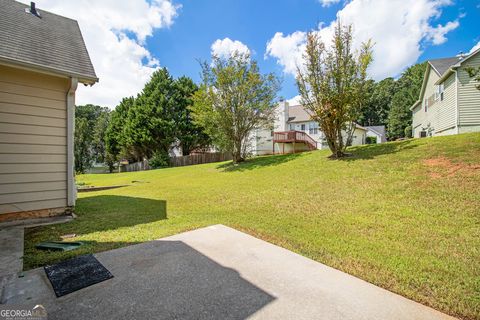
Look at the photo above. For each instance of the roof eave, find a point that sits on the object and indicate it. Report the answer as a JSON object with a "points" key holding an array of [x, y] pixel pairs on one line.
{"points": [[83, 78], [415, 105], [447, 74]]}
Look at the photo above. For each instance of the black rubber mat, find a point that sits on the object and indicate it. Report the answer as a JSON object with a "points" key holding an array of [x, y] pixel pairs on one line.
{"points": [[77, 273]]}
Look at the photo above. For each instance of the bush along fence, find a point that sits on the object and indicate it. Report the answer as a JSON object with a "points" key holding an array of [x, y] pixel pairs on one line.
{"points": [[189, 160]]}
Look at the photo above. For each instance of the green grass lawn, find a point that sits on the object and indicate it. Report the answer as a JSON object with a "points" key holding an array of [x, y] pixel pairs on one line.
{"points": [[403, 215]]}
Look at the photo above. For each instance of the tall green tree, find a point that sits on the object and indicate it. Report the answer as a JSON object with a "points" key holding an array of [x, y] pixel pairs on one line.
{"points": [[406, 93], [83, 155], [332, 85], [91, 122], [115, 140], [150, 127], [189, 135], [233, 100], [377, 107]]}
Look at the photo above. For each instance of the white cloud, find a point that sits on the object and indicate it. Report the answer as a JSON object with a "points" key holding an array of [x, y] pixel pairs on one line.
{"points": [[327, 3], [114, 33], [288, 50], [294, 101], [475, 47], [437, 34], [398, 28], [227, 47]]}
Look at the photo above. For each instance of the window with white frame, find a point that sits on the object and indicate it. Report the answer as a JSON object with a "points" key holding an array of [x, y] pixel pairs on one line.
{"points": [[313, 128], [302, 127], [426, 104], [440, 91]]}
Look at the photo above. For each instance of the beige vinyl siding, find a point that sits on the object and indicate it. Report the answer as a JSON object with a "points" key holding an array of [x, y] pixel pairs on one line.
{"points": [[445, 111], [417, 120], [422, 119], [33, 141], [468, 94], [441, 115]]}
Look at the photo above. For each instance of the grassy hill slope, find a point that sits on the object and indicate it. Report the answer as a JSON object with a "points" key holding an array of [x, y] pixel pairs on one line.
{"points": [[402, 215]]}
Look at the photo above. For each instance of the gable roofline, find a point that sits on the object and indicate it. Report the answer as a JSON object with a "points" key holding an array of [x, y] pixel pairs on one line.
{"points": [[424, 84], [83, 78], [372, 129], [434, 69], [453, 68], [51, 44]]}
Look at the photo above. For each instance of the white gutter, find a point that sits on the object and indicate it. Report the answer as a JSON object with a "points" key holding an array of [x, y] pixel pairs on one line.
{"points": [[71, 189], [457, 111]]}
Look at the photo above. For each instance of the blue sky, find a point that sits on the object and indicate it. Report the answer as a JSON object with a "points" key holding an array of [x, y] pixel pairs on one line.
{"points": [[128, 40], [254, 22]]}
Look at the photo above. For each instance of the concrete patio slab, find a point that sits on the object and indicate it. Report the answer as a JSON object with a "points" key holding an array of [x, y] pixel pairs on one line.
{"points": [[216, 273], [11, 248]]}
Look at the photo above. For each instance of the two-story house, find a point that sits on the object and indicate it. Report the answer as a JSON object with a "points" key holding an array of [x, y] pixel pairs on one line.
{"points": [[449, 101], [295, 131]]}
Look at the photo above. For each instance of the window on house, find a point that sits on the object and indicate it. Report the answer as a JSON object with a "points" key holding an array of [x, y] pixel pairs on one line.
{"points": [[426, 104], [302, 127], [292, 126], [313, 128], [439, 89]]}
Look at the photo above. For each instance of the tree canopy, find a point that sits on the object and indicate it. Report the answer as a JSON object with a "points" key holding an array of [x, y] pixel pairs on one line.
{"points": [[233, 100], [91, 123], [407, 91], [156, 121], [332, 85]]}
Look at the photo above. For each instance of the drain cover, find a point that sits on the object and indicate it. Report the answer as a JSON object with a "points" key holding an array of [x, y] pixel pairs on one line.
{"points": [[58, 245]]}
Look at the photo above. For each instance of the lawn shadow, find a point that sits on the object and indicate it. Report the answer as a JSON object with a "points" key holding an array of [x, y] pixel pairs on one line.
{"points": [[109, 212], [371, 151], [259, 162]]}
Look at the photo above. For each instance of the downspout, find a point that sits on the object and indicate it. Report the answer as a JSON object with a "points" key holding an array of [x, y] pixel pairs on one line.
{"points": [[71, 190], [457, 111]]}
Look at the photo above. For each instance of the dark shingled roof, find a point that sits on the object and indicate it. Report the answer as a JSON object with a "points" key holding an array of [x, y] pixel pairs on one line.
{"points": [[50, 42], [442, 65]]}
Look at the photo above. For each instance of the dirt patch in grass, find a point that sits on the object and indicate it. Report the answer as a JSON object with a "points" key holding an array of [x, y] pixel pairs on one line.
{"points": [[441, 167]]}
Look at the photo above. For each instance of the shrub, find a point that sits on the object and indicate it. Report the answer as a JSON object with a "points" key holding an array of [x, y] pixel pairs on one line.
{"points": [[408, 132], [159, 160], [371, 140]]}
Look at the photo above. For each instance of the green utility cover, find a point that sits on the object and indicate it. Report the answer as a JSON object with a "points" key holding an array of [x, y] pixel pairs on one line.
{"points": [[58, 245]]}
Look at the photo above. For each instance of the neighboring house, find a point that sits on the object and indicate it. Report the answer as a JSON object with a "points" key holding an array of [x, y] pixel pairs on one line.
{"points": [[449, 102], [42, 59], [378, 132], [295, 131]]}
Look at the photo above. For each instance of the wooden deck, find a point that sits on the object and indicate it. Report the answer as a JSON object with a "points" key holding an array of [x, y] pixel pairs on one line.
{"points": [[293, 137]]}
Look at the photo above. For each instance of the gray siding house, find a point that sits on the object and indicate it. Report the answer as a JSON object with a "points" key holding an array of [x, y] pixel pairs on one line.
{"points": [[449, 101], [42, 60]]}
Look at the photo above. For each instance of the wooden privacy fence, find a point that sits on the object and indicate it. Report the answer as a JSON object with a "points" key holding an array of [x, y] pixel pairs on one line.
{"points": [[180, 161], [199, 159], [136, 166]]}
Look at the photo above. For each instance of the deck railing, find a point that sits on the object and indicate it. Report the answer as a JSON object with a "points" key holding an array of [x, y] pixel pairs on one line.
{"points": [[294, 136]]}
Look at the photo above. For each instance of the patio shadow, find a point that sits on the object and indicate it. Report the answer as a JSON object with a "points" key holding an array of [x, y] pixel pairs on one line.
{"points": [[153, 280]]}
